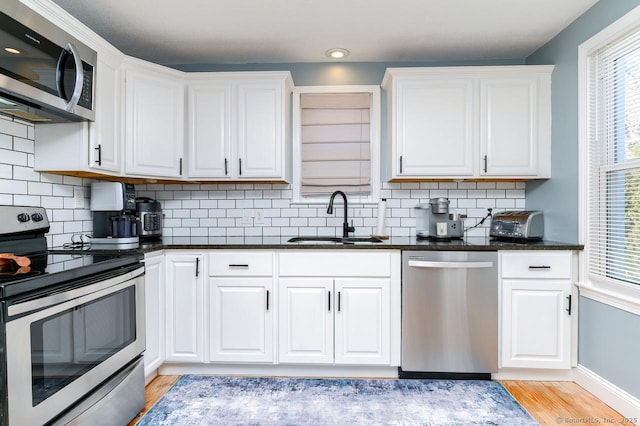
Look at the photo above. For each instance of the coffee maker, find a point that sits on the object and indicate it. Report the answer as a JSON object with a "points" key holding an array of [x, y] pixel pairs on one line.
{"points": [[115, 224], [434, 221]]}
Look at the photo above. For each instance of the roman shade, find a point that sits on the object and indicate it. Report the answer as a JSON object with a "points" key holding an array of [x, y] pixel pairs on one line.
{"points": [[335, 143], [614, 161]]}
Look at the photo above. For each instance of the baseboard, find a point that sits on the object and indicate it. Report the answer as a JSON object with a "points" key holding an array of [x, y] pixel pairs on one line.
{"points": [[533, 374], [276, 370], [618, 399]]}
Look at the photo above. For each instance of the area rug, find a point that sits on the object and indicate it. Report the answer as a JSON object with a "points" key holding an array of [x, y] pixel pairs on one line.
{"points": [[210, 400]]}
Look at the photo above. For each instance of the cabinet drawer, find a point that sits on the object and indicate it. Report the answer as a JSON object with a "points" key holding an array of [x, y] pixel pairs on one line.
{"points": [[536, 264], [335, 263], [236, 263]]}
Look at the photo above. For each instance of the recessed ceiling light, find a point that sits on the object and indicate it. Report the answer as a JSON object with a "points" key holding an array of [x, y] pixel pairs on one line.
{"points": [[337, 53], [12, 50]]}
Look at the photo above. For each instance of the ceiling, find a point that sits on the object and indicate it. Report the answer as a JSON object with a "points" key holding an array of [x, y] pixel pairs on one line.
{"points": [[282, 31]]}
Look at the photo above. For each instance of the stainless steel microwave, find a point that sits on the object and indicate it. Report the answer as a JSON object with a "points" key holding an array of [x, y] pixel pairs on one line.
{"points": [[46, 75]]}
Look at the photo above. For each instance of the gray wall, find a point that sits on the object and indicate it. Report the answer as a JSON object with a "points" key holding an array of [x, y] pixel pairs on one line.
{"points": [[558, 197], [609, 338]]}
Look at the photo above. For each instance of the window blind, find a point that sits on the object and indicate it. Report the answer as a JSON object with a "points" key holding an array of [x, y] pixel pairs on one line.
{"points": [[613, 234], [335, 143]]}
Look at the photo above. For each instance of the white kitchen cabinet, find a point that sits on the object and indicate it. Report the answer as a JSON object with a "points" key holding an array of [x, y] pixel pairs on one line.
{"points": [[154, 120], [433, 126], [515, 124], [338, 308], [469, 122], [185, 307], [362, 321], [241, 306], [239, 125], [154, 286], [91, 147], [536, 309]]}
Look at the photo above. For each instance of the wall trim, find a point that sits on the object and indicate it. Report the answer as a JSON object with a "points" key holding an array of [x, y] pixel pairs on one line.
{"points": [[614, 299], [619, 295], [618, 399]]}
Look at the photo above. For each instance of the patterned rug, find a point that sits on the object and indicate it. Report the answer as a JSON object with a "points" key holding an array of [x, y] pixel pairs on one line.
{"points": [[210, 400]]}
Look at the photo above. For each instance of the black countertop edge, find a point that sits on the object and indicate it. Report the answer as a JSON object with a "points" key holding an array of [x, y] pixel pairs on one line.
{"points": [[396, 243]]}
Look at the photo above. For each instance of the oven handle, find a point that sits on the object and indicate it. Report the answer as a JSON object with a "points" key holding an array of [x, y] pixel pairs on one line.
{"points": [[56, 299]]}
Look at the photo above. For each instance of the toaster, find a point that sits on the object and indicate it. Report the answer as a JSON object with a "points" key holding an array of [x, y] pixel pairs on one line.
{"points": [[517, 225]]}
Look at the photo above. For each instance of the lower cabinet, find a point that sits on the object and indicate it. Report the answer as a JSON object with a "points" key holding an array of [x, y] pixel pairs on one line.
{"points": [[185, 307], [154, 311], [334, 310], [327, 307], [341, 321], [537, 309], [241, 319]]}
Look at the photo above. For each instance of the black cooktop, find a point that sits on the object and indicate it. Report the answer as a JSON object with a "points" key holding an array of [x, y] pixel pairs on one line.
{"points": [[54, 268]]}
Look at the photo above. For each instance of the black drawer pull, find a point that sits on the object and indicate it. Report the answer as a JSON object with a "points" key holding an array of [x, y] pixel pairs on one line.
{"points": [[238, 266], [539, 267]]}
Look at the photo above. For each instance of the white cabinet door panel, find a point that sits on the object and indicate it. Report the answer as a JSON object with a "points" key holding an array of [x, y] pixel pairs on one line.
{"points": [[154, 123], [154, 299], [362, 321], [306, 321], [508, 130], [435, 127], [241, 319], [536, 324], [185, 308], [260, 134]]}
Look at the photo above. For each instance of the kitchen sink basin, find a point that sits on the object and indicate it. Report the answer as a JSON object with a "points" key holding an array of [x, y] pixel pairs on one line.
{"points": [[361, 240], [346, 240], [315, 240]]}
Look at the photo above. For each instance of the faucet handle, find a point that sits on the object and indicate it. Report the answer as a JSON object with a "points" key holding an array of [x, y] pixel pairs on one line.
{"points": [[350, 228]]}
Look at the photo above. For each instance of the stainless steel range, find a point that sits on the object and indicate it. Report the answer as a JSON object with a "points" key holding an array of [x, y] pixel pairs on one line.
{"points": [[71, 329]]}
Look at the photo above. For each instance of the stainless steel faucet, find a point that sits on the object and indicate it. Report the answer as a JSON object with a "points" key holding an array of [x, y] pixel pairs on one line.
{"points": [[345, 226]]}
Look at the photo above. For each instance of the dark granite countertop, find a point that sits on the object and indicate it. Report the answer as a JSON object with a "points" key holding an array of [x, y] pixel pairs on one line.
{"points": [[395, 243]]}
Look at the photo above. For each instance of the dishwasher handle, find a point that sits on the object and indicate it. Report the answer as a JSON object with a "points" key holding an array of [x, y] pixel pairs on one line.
{"points": [[448, 265]]}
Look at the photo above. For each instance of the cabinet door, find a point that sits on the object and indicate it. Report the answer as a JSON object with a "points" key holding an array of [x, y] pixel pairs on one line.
{"points": [[154, 125], [306, 320], [241, 319], [509, 126], [154, 305], [210, 130], [105, 132], [536, 324], [261, 130], [185, 307], [434, 127], [362, 321]]}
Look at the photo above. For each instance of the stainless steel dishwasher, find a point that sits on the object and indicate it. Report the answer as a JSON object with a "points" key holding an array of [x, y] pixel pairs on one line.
{"points": [[449, 314]]}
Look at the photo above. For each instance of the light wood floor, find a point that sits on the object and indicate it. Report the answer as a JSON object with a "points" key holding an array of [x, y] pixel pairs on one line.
{"points": [[550, 403]]}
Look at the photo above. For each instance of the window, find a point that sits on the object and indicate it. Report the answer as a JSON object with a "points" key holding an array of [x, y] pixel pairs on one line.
{"points": [[336, 142], [613, 161]]}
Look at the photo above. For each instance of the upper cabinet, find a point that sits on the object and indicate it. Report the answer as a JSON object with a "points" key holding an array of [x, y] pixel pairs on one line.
{"points": [[154, 120], [469, 122], [238, 126]]}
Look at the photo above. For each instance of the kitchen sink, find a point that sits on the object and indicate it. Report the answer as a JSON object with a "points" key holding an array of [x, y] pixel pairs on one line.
{"points": [[345, 240], [361, 240]]}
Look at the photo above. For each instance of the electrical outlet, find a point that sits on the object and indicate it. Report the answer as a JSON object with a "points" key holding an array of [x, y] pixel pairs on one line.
{"points": [[78, 197], [259, 217], [247, 217]]}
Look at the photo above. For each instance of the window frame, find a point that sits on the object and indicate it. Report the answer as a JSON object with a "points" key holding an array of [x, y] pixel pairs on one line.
{"points": [[616, 293], [296, 184]]}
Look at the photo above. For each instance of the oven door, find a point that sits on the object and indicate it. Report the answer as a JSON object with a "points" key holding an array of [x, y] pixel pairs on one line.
{"points": [[62, 346]]}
